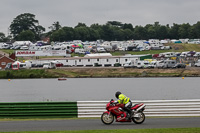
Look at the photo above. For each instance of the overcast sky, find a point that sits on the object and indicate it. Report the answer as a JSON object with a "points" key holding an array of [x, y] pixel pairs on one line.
{"points": [[70, 12]]}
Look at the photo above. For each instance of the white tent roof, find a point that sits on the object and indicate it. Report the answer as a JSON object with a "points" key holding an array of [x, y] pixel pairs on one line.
{"points": [[98, 54], [17, 62]]}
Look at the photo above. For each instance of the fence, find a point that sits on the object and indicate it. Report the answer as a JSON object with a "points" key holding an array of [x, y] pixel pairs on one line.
{"points": [[38, 110], [153, 108], [95, 109]]}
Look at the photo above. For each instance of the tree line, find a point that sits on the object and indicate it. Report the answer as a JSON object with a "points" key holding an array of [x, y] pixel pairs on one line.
{"points": [[26, 27]]}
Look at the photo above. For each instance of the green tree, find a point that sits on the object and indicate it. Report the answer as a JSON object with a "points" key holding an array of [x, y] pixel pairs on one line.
{"points": [[162, 32], [27, 35], [98, 31], [69, 33], [191, 33], [55, 26], [151, 31], [108, 32], [58, 35], [128, 26], [115, 23], [80, 25], [140, 33], [173, 32], [184, 30], [94, 35], [24, 22], [2, 37], [82, 33], [128, 34], [197, 29]]}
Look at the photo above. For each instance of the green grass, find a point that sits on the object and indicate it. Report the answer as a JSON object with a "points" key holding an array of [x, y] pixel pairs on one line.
{"points": [[168, 130], [26, 73], [8, 51]]}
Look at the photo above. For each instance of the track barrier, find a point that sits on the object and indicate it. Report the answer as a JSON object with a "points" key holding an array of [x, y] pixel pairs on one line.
{"points": [[86, 109], [160, 108], [39, 110]]}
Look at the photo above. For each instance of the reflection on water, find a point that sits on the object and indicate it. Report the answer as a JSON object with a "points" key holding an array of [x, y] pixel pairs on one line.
{"points": [[75, 89]]}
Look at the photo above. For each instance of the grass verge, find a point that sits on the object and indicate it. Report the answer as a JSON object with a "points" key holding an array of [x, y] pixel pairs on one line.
{"points": [[97, 73], [164, 130]]}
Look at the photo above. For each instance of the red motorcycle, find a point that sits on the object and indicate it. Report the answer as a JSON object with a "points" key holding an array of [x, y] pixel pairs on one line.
{"points": [[116, 111]]}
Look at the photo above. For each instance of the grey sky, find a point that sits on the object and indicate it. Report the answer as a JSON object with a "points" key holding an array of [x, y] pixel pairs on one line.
{"points": [[70, 12]]}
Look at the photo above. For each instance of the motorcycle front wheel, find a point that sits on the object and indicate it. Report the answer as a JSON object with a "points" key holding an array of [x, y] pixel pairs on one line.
{"points": [[107, 119], [139, 119]]}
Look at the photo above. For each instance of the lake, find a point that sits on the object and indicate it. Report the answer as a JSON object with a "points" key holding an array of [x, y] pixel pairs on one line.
{"points": [[76, 89]]}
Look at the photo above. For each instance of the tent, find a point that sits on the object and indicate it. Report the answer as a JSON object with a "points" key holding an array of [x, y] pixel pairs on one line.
{"points": [[75, 46], [80, 45], [178, 41]]}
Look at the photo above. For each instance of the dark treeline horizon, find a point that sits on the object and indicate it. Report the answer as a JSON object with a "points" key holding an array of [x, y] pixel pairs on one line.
{"points": [[117, 31], [111, 31]]}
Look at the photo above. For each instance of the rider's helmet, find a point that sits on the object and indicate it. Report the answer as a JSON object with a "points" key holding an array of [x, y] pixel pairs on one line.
{"points": [[117, 94]]}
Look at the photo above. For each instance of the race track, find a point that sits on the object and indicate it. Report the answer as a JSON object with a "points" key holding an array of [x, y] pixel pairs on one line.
{"points": [[95, 124]]}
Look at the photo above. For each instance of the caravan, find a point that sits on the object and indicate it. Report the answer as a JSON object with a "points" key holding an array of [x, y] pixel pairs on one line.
{"points": [[18, 65], [169, 63], [49, 65], [143, 64]]}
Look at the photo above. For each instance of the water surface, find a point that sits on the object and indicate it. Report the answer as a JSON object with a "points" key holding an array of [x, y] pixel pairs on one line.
{"points": [[74, 89]]}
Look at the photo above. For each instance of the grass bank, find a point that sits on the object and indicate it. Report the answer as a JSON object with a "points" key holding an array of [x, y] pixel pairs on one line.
{"points": [[19, 74], [169, 130], [98, 73], [121, 72]]}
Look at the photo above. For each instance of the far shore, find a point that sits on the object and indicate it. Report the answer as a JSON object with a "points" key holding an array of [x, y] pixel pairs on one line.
{"points": [[98, 72]]}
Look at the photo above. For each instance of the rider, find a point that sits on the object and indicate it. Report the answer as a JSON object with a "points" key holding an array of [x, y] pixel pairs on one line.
{"points": [[122, 99]]}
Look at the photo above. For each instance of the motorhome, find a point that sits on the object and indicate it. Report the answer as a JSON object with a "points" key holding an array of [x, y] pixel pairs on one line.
{"points": [[169, 63], [167, 54], [49, 65], [197, 64], [100, 49], [155, 44], [197, 54], [184, 54], [191, 54], [18, 65], [24, 48], [160, 64], [143, 64], [79, 51], [130, 64], [156, 64]]}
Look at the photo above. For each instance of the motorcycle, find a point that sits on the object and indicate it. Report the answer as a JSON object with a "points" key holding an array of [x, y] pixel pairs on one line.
{"points": [[116, 111]]}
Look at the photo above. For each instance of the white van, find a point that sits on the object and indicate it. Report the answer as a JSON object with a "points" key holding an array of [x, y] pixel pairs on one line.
{"points": [[100, 49], [197, 54], [143, 64], [169, 63], [197, 64], [49, 65], [24, 48], [79, 51]]}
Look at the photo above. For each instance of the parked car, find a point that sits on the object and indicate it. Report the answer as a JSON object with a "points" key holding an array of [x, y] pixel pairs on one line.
{"points": [[15, 47], [179, 65], [59, 64], [197, 64], [191, 53], [24, 48]]}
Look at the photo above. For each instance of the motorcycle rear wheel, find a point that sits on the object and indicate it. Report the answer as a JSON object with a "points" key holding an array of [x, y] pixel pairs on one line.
{"points": [[107, 119], [139, 120]]}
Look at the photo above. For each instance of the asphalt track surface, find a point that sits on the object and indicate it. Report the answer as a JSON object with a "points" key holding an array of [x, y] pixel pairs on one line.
{"points": [[96, 124]]}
